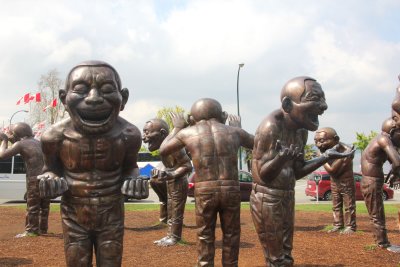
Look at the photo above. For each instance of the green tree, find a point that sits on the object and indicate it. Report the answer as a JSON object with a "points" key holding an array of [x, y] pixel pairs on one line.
{"points": [[310, 151], [164, 114], [363, 140]]}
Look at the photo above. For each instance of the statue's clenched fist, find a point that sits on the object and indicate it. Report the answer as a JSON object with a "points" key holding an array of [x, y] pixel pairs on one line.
{"points": [[51, 186], [137, 188]]}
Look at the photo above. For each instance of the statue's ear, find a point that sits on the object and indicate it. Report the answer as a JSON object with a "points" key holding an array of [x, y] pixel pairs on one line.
{"points": [[336, 138], [191, 120], [287, 104], [62, 94], [125, 96], [224, 117], [163, 132]]}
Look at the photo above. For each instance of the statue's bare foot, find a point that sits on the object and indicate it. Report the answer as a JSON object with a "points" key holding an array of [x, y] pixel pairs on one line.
{"points": [[335, 229], [168, 242], [26, 234], [348, 231], [160, 240], [394, 248]]}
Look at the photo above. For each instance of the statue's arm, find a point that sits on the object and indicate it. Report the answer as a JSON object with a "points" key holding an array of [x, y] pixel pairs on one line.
{"points": [[7, 152]]}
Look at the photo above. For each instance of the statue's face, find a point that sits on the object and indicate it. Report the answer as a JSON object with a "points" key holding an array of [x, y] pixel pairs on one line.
{"points": [[93, 100], [324, 141], [152, 136], [312, 104]]}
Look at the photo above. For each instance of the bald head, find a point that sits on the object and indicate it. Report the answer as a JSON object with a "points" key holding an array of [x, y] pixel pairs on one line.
{"points": [[330, 132], [21, 130], [159, 124], [207, 108], [388, 125], [295, 88]]}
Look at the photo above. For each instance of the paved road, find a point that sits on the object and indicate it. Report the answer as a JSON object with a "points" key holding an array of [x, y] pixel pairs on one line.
{"points": [[300, 196]]}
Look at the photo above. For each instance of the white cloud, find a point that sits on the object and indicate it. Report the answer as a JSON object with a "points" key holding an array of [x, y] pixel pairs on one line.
{"points": [[174, 53]]}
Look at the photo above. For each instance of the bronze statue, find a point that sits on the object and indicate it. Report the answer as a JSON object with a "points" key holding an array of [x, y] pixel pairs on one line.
{"points": [[342, 181], [159, 186], [175, 173], [24, 143], [278, 161], [381, 148], [213, 147], [91, 160]]}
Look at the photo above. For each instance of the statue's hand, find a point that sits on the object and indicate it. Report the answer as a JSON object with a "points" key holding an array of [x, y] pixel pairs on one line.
{"points": [[137, 188], [332, 153], [3, 136], [178, 120], [286, 153], [234, 121], [51, 186]]}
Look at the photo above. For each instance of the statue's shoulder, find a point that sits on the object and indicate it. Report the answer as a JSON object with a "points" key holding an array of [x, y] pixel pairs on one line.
{"points": [[272, 122], [128, 129], [56, 131]]}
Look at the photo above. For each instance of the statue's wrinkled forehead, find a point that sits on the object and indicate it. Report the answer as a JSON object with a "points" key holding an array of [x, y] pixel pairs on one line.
{"points": [[88, 74], [93, 69]]}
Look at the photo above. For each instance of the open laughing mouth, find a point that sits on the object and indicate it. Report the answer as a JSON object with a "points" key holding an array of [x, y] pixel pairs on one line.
{"points": [[95, 117], [314, 119]]}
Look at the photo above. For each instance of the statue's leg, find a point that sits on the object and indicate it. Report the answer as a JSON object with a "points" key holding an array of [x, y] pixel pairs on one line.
{"points": [[177, 191], [372, 191], [288, 227], [349, 201], [44, 215], [33, 206], [268, 217], [160, 188], [78, 243], [110, 234], [337, 207], [206, 216], [230, 225]]}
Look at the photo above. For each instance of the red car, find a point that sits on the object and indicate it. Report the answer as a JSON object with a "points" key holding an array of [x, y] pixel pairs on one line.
{"points": [[324, 186], [245, 180]]}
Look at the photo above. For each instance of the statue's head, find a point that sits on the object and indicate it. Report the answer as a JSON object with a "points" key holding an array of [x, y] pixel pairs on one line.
{"points": [[93, 96], [206, 109], [326, 138], [154, 133], [19, 131], [303, 100]]}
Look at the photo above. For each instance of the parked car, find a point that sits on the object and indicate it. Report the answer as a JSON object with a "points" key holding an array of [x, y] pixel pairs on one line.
{"points": [[324, 186], [245, 180]]}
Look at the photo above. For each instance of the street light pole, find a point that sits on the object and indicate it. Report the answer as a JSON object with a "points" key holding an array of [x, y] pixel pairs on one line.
{"points": [[12, 116], [238, 111]]}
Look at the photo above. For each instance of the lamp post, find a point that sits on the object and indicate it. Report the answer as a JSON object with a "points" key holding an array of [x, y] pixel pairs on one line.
{"points": [[12, 116], [238, 111]]}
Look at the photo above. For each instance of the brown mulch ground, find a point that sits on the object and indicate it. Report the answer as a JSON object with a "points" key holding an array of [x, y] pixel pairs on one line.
{"points": [[312, 245]]}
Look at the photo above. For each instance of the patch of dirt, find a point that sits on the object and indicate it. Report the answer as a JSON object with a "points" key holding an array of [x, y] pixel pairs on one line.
{"points": [[313, 246]]}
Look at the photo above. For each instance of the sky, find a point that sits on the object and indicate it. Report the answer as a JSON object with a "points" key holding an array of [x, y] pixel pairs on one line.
{"points": [[172, 53]]}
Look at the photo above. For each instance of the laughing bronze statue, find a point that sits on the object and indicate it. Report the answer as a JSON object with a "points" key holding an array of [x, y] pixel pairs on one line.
{"points": [[175, 170], [342, 181], [381, 148], [24, 143], [91, 160], [278, 161], [213, 147]]}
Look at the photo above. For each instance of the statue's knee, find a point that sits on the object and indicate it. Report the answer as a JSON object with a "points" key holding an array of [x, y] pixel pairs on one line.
{"points": [[110, 249], [78, 254]]}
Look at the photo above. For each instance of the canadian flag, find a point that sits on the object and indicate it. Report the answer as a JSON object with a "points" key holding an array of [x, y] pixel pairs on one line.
{"points": [[28, 97], [51, 105]]}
